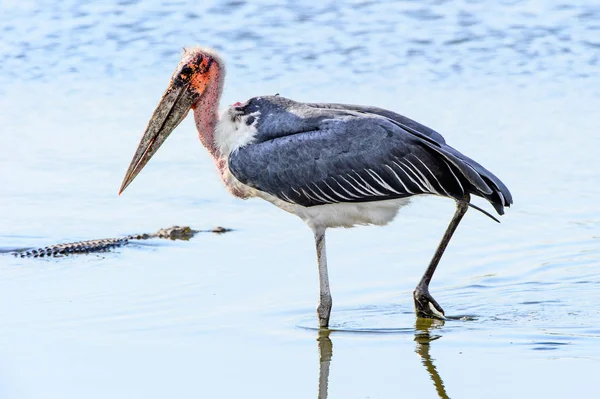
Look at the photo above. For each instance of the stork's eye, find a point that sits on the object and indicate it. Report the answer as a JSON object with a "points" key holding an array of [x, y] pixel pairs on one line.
{"points": [[186, 72], [184, 76]]}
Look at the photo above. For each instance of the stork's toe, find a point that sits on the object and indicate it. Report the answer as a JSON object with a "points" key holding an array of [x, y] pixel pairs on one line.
{"points": [[426, 306]]}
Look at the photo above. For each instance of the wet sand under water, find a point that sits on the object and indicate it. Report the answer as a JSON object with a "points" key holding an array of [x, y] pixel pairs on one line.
{"points": [[234, 315]]}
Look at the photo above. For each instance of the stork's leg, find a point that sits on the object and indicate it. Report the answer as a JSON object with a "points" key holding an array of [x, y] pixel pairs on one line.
{"points": [[425, 305], [324, 308]]}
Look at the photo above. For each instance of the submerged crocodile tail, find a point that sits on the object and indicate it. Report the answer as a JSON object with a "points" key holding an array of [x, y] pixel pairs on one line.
{"points": [[94, 246], [78, 247]]}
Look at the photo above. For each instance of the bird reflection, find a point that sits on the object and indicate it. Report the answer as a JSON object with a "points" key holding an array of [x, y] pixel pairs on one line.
{"points": [[325, 354], [423, 337]]}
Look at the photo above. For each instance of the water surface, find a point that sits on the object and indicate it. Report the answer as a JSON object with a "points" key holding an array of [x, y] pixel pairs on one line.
{"points": [[513, 84]]}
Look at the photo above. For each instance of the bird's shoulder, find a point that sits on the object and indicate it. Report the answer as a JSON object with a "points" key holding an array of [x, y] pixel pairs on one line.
{"points": [[279, 116], [405, 123]]}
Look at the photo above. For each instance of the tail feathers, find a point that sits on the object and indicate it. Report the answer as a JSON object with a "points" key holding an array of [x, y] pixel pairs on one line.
{"points": [[500, 197], [481, 182]]}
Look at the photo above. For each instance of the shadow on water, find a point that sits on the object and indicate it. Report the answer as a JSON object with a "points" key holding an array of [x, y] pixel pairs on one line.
{"points": [[424, 335]]}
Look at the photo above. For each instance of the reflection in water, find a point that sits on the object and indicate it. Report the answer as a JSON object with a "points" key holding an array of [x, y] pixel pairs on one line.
{"points": [[325, 354], [423, 337]]}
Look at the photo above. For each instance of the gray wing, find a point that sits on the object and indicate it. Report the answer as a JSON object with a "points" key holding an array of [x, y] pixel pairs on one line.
{"points": [[311, 154], [500, 197], [401, 120]]}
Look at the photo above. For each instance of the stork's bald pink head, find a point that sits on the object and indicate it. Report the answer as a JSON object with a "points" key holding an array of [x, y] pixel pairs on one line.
{"points": [[197, 70], [196, 84]]}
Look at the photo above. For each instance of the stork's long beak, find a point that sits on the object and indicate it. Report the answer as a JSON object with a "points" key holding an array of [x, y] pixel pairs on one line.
{"points": [[171, 110]]}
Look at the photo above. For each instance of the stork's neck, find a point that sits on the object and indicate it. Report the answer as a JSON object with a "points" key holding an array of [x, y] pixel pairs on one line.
{"points": [[206, 111]]}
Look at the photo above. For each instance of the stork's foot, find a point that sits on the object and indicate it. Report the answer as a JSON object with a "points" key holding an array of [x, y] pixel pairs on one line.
{"points": [[323, 312], [426, 306]]}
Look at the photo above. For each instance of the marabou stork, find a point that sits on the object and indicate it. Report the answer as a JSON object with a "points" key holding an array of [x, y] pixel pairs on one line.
{"points": [[333, 165]]}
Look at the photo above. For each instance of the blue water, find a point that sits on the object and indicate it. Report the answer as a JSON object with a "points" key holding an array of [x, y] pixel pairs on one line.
{"points": [[513, 84]]}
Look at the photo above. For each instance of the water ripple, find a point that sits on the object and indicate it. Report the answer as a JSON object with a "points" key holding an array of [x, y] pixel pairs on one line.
{"points": [[432, 41]]}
